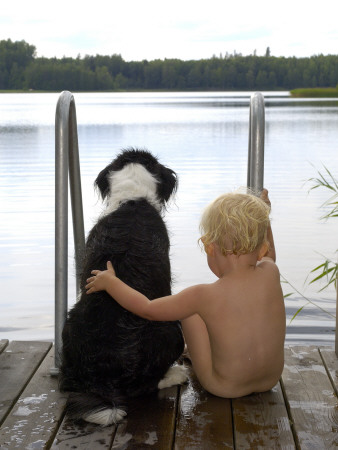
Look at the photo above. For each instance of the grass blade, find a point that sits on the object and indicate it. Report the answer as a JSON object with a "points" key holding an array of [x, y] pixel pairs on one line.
{"points": [[297, 312]]}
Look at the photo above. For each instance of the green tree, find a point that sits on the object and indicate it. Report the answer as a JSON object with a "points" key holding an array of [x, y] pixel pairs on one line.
{"points": [[14, 58], [169, 76], [19, 68], [261, 79], [250, 79], [195, 77], [104, 80], [120, 82], [153, 74]]}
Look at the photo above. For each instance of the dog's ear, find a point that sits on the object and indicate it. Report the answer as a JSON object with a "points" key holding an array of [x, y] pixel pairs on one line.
{"points": [[168, 183], [102, 182]]}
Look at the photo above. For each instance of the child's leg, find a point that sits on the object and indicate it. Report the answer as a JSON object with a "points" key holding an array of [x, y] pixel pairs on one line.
{"points": [[198, 344]]}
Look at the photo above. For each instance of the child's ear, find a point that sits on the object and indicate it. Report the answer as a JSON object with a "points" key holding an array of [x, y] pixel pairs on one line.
{"points": [[263, 251], [210, 249]]}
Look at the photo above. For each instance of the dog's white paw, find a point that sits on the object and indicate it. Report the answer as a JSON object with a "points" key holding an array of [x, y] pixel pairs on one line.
{"points": [[105, 417], [177, 374]]}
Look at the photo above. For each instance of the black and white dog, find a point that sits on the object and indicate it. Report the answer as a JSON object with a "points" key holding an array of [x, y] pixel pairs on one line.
{"points": [[109, 354]]}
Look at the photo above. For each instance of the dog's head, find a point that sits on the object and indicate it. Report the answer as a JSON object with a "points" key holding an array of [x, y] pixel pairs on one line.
{"points": [[140, 169]]}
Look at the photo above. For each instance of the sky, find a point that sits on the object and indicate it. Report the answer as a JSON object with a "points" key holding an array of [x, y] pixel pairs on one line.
{"points": [[183, 29]]}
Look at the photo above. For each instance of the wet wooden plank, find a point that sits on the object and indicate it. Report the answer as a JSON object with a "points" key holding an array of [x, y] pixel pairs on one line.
{"points": [[34, 419], [150, 422], [3, 344], [311, 399], [261, 421], [83, 435], [331, 364], [18, 362], [204, 421]]}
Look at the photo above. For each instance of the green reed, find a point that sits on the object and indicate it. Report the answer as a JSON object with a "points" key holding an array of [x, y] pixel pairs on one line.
{"points": [[327, 270]]}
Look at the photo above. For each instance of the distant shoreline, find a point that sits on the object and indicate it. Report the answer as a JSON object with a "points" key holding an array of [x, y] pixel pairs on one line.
{"points": [[296, 93], [315, 92], [117, 91]]}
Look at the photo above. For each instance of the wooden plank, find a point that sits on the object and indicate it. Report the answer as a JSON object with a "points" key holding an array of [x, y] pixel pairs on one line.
{"points": [[204, 421], [34, 419], [18, 362], [150, 422], [331, 364], [261, 421], [83, 435], [310, 398], [3, 344]]}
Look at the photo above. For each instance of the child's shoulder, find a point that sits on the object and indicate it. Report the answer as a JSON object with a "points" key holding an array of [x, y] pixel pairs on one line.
{"points": [[267, 259], [196, 291], [268, 263]]}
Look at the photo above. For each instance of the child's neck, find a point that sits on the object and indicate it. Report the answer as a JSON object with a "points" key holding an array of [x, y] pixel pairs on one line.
{"points": [[235, 263]]}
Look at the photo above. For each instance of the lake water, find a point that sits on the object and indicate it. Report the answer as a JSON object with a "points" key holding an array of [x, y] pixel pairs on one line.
{"points": [[204, 138]]}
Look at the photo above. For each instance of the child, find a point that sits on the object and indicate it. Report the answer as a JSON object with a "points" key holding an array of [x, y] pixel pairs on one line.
{"points": [[234, 328]]}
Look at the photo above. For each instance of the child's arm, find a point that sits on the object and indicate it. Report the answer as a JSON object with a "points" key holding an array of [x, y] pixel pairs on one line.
{"points": [[171, 307], [106, 280], [272, 252]]}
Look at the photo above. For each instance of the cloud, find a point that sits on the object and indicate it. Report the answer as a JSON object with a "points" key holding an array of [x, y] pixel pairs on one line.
{"points": [[183, 29]]}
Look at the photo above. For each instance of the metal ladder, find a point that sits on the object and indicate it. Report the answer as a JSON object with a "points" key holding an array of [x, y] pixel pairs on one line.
{"points": [[67, 163], [256, 143]]}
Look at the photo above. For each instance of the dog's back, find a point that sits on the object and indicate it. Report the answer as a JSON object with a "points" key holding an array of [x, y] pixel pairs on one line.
{"points": [[135, 239], [109, 353]]}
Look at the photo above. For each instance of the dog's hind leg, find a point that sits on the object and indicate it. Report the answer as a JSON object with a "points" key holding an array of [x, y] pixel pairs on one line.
{"points": [[177, 374], [93, 408]]}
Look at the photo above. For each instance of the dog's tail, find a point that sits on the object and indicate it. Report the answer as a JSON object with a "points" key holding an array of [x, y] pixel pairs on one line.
{"points": [[93, 408]]}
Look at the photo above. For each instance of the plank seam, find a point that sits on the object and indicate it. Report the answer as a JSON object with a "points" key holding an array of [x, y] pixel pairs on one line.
{"points": [[51, 440], [177, 409], [111, 445], [113, 436], [335, 390], [233, 425], [5, 345], [43, 356], [290, 417]]}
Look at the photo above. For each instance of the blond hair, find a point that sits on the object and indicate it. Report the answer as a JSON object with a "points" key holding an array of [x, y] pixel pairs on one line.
{"points": [[236, 222]]}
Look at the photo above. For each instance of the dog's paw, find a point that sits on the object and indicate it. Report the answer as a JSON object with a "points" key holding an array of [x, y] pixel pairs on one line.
{"points": [[105, 417], [175, 375]]}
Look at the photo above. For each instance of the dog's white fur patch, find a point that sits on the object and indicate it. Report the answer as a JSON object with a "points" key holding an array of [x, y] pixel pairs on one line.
{"points": [[177, 374], [105, 417], [131, 183]]}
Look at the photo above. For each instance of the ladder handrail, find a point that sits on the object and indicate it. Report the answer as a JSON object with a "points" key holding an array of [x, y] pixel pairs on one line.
{"points": [[255, 180], [66, 162], [256, 160]]}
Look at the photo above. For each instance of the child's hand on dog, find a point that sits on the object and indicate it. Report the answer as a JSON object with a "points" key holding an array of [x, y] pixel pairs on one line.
{"points": [[100, 279]]}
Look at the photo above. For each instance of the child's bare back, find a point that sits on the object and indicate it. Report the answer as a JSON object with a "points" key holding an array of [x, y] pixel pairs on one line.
{"points": [[244, 323]]}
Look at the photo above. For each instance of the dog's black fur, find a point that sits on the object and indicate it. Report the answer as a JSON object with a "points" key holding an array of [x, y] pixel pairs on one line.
{"points": [[109, 354]]}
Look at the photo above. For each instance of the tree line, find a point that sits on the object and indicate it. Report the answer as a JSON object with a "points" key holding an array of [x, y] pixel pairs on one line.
{"points": [[21, 69]]}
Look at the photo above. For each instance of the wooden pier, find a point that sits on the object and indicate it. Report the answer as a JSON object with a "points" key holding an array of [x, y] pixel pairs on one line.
{"points": [[300, 412]]}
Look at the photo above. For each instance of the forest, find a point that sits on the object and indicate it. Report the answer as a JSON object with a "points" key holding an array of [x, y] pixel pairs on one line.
{"points": [[21, 69]]}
